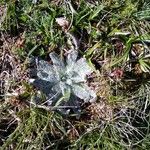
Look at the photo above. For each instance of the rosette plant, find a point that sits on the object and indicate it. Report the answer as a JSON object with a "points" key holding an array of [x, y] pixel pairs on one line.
{"points": [[64, 83]]}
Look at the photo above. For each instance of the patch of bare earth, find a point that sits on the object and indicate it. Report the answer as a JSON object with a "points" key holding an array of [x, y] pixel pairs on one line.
{"points": [[12, 76], [12, 72]]}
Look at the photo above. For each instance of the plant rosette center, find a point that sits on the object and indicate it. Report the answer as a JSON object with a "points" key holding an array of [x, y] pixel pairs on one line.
{"points": [[65, 77]]}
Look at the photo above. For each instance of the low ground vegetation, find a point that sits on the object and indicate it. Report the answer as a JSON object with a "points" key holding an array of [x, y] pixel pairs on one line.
{"points": [[111, 37]]}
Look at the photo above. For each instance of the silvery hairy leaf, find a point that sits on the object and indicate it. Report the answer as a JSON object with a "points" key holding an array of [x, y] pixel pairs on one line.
{"points": [[82, 67], [72, 57], [46, 71], [84, 92], [57, 62], [64, 83]]}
